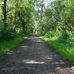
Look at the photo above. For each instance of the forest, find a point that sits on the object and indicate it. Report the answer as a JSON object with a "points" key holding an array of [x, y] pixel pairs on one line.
{"points": [[53, 22]]}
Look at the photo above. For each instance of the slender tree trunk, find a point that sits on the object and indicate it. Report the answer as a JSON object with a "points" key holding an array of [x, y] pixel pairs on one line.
{"points": [[5, 14]]}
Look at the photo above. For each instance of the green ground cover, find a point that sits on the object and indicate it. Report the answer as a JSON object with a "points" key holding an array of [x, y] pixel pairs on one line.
{"points": [[64, 49], [6, 45]]}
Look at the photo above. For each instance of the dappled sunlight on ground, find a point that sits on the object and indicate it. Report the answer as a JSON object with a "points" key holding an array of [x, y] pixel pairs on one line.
{"points": [[11, 52], [32, 62], [32, 57], [65, 70]]}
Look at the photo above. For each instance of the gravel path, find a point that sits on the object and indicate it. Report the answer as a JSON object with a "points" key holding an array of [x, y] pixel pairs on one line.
{"points": [[33, 56]]}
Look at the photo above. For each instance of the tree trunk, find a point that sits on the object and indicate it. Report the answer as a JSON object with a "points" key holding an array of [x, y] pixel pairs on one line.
{"points": [[5, 14]]}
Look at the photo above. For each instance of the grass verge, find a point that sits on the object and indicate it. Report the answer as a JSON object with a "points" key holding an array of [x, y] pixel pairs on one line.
{"points": [[6, 45], [65, 50]]}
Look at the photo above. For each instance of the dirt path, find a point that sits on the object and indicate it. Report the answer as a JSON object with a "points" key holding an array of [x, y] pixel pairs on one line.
{"points": [[32, 57]]}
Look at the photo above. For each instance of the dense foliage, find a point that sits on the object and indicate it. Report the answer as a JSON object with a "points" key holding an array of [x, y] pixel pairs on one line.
{"points": [[54, 20], [57, 20], [28, 16], [15, 18], [56, 24]]}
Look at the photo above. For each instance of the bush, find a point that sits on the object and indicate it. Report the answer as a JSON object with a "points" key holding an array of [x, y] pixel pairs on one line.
{"points": [[63, 38], [6, 35]]}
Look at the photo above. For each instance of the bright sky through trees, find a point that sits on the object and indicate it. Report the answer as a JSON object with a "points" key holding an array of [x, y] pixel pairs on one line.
{"points": [[46, 2], [50, 18]]}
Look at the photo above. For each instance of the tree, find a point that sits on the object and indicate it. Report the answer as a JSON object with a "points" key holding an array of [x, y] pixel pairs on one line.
{"points": [[5, 14]]}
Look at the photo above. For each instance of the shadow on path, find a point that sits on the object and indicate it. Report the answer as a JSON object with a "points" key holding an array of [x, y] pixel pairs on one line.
{"points": [[32, 57]]}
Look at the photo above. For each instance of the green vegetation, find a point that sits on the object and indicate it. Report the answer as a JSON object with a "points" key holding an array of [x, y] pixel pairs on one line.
{"points": [[7, 45], [52, 20], [56, 22], [65, 50], [15, 18], [15, 21]]}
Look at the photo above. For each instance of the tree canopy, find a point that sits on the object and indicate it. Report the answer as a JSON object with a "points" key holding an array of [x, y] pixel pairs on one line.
{"points": [[32, 16]]}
